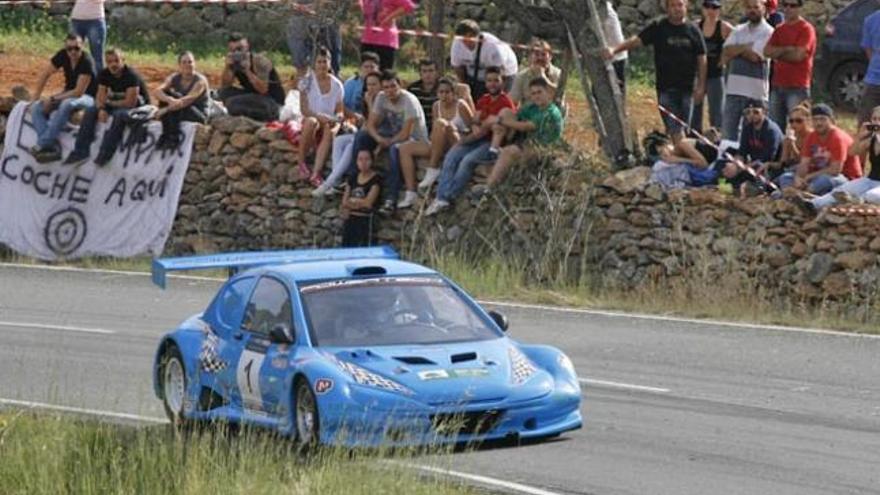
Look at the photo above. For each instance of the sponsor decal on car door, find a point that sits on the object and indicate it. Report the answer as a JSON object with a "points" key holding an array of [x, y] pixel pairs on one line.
{"points": [[248, 373]]}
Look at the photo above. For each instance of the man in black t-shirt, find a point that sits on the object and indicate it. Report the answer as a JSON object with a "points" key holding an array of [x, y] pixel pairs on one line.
{"points": [[120, 89], [250, 86], [425, 89], [52, 113], [679, 61]]}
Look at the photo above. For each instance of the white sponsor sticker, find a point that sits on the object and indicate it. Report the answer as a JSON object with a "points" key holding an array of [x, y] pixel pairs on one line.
{"points": [[433, 375], [248, 378]]}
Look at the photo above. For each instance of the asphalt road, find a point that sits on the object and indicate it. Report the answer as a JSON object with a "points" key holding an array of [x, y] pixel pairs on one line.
{"points": [[670, 407]]}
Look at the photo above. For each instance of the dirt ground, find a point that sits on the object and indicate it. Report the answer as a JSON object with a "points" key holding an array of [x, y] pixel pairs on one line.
{"points": [[21, 69]]}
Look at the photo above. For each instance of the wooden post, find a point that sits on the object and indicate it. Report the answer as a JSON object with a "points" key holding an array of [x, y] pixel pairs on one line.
{"points": [[437, 24]]}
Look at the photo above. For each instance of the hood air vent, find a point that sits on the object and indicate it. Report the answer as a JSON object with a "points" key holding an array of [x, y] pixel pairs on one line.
{"points": [[465, 356], [414, 360]]}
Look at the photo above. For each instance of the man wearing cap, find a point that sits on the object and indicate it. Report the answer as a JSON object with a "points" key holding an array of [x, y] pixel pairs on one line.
{"points": [[760, 142], [679, 61], [792, 47], [749, 75], [871, 45], [825, 160]]}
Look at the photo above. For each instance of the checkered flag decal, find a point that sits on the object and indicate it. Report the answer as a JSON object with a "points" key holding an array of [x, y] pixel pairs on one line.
{"points": [[210, 361], [365, 377], [520, 366]]}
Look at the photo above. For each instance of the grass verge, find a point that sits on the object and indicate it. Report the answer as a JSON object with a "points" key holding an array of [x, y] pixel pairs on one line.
{"points": [[51, 454]]}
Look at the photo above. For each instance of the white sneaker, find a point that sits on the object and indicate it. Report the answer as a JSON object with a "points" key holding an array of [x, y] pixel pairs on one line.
{"points": [[430, 178], [436, 207], [321, 190], [409, 199]]}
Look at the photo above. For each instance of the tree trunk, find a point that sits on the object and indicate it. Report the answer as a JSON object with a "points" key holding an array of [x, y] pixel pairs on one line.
{"points": [[437, 24]]}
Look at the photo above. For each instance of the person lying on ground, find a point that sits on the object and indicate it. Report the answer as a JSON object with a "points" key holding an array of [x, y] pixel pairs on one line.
{"points": [[250, 85], [320, 97], [184, 95]]}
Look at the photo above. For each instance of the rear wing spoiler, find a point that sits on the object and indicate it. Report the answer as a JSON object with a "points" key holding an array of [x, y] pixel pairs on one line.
{"points": [[236, 262]]}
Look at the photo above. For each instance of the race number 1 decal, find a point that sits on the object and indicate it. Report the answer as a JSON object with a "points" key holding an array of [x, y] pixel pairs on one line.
{"points": [[248, 378]]}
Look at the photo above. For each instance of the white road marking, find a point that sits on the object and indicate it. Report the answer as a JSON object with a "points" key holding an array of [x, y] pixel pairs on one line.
{"points": [[626, 386], [561, 309], [47, 326], [79, 410], [507, 486]]}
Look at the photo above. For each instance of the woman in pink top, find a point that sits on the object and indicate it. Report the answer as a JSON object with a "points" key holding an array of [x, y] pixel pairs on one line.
{"points": [[380, 28], [87, 20]]}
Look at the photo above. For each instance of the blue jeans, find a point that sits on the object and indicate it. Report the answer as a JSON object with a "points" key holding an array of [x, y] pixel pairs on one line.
{"points": [[819, 185], [782, 100], [302, 34], [733, 111], [95, 31], [458, 166], [715, 96], [865, 188], [112, 135], [678, 102], [48, 128], [394, 178]]}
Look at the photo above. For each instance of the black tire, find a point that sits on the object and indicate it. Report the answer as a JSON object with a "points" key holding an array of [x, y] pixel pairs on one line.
{"points": [[307, 419], [845, 85], [172, 398]]}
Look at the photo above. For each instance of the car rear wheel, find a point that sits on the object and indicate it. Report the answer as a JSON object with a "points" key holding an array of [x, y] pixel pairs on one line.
{"points": [[845, 85], [308, 421], [173, 375]]}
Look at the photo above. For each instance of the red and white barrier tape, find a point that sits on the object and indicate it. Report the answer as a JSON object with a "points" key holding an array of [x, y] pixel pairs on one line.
{"points": [[49, 2], [857, 210]]}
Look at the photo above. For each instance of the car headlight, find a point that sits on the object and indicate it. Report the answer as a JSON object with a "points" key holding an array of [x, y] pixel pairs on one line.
{"points": [[365, 377], [565, 363], [521, 368]]}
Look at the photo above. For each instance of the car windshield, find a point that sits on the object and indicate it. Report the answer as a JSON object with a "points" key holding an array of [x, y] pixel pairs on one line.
{"points": [[390, 311]]}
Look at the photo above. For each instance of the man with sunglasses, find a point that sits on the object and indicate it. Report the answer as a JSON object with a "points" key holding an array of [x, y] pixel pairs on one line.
{"points": [[792, 47], [759, 144], [51, 114], [749, 75]]}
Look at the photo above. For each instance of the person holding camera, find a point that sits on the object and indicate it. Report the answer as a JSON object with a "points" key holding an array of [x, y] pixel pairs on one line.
{"points": [[250, 85], [865, 188]]}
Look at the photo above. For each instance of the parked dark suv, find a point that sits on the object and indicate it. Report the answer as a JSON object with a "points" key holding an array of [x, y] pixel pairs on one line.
{"points": [[841, 65]]}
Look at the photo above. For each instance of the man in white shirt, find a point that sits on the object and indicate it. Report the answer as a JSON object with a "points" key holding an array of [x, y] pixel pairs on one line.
{"points": [[473, 51], [749, 74]]}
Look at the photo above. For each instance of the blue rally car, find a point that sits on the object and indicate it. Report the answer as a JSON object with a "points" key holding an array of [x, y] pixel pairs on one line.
{"points": [[356, 347]]}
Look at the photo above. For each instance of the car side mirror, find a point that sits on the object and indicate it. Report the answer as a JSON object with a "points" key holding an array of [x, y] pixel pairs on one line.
{"points": [[500, 319], [281, 334]]}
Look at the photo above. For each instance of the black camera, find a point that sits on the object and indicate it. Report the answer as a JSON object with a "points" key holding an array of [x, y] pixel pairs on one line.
{"points": [[873, 127], [238, 58]]}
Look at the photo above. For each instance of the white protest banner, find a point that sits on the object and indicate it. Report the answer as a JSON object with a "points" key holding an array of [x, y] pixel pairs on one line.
{"points": [[55, 211]]}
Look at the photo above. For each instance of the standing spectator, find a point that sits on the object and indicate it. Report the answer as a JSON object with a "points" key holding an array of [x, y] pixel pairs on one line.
{"points": [[614, 36], [380, 28], [792, 47], [51, 114], [307, 31], [679, 61], [452, 115], [871, 45], [759, 144], [749, 75], [866, 188], [540, 65], [460, 161], [120, 89], [473, 51], [540, 124], [354, 86], [88, 21], [715, 30], [185, 94], [425, 89], [259, 93], [320, 100], [774, 16], [825, 162], [359, 202]]}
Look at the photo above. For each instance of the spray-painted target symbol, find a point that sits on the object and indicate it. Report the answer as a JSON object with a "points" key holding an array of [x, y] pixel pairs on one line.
{"points": [[65, 231]]}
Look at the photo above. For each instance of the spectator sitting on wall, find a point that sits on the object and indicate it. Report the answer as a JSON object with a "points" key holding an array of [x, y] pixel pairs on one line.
{"points": [[320, 97], [792, 47], [452, 116], [540, 65], [259, 94], [536, 124], [473, 51], [120, 89], [185, 96], [354, 87], [825, 161], [425, 89], [799, 127], [51, 114], [343, 144], [359, 202], [760, 143], [460, 161]]}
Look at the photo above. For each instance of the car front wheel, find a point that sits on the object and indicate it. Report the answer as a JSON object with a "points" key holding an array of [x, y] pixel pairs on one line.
{"points": [[845, 85], [307, 419], [173, 376]]}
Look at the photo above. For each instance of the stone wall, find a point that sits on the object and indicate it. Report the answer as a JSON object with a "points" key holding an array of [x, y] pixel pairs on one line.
{"points": [[643, 235]]}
